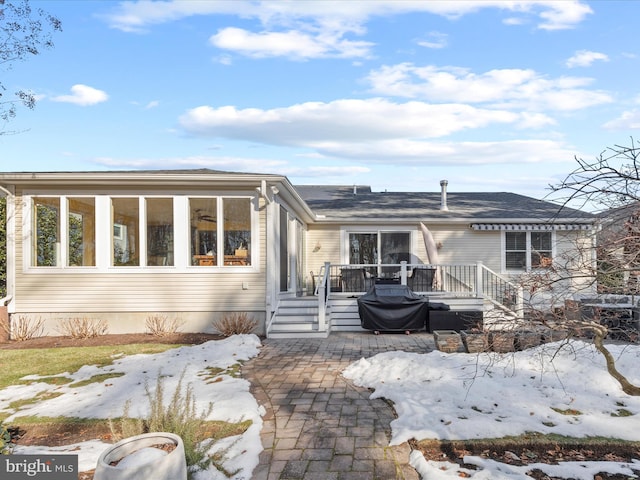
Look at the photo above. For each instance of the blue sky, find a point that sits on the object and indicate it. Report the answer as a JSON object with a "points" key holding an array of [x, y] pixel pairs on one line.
{"points": [[490, 95]]}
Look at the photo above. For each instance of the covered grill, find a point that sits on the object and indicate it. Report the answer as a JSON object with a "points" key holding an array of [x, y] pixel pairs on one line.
{"points": [[392, 308]]}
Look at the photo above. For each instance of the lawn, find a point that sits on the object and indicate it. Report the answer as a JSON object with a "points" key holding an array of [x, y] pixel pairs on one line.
{"points": [[15, 364], [75, 397]]}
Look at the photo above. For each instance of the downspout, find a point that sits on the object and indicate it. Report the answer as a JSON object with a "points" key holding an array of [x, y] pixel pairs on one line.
{"points": [[5, 300]]}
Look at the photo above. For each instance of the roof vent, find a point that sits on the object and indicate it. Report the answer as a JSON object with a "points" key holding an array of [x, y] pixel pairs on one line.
{"points": [[355, 189], [443, 195]]}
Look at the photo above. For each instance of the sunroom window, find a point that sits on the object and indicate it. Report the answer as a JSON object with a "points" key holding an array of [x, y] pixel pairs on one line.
{"points": [[237, 231], [220, 232], [81, 229], [203, 213], [159, 232], [126, 231], [138, 231], [46, 229]]}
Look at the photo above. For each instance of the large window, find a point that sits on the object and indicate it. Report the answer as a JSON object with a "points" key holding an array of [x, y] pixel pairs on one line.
{"points": [[129, 224], [81, 239], [159, 231], [526, 250], [64, 232], [46, 232], [220, 232], [379, 248], [237, 231], [203, 213], [126, 231], [139, 231]]}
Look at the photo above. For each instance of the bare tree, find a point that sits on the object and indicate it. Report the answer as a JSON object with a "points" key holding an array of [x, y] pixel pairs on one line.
{"points": [[611, 180], [23, 33], [609, 186]]}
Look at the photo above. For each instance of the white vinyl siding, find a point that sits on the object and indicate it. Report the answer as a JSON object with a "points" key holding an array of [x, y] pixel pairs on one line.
{"points": [[458, 245], [104, 288]]}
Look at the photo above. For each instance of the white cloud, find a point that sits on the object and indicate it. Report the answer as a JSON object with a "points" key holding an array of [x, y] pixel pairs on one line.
{"points": [[379, 131], [228, 163], [323, 26], [235, 164], [339, 172], [628, 120], [223, 59], [83, 95], [152, 104], [412, 152], [435, 40], [505, 88], [138, 16], [340, 120], [561, 15], [584, 58], [292, 43]]}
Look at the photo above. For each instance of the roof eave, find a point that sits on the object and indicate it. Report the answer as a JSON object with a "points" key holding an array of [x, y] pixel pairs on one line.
{"points": [[320, 219], [131, 178]]}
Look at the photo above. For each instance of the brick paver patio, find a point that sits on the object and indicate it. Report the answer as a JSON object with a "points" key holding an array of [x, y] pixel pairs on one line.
{"points": [[318, 425]]}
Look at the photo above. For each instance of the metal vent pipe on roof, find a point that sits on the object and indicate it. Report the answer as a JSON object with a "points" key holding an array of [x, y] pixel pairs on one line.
{"points": [[443, 195]]}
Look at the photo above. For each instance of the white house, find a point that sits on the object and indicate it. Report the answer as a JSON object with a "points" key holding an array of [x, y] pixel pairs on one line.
{"points": [[196, 245]]}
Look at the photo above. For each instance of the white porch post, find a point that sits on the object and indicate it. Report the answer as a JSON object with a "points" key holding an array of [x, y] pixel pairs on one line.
{"points": [[322, 298], [403, 272], [479, 283]]}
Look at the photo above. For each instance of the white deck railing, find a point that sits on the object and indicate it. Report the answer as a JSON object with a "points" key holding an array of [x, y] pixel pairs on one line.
{"points": [[463, 280]]}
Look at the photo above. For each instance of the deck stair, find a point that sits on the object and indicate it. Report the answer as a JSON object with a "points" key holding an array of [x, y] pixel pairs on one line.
{"points": [[297, 318]]}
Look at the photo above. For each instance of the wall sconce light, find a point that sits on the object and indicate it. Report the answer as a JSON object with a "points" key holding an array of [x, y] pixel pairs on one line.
{"points": [[439, 245], [317, 247]]}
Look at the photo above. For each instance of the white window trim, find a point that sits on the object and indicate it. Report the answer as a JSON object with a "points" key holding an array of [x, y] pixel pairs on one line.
{"points": [[345, 231], [103, 233], [529, 268]]}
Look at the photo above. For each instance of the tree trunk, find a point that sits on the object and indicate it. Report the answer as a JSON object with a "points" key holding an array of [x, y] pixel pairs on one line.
{"points": [[600, 332]]}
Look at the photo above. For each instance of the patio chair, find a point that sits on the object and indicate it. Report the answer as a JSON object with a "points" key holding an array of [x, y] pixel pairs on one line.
{"points": [[353, 280], [421, 280]]}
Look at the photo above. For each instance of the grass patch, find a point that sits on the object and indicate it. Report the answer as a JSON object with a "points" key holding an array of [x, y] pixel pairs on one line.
{"points": [[18, 363], [215, 430], [566, 411], [54, 380], [537, 444], [622, 412], [533, 439], [42, 396], [213, 374], [96, 379], [33, 420]]}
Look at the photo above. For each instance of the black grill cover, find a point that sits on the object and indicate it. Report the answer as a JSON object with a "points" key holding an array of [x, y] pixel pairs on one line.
{"points": [[392, 307]]}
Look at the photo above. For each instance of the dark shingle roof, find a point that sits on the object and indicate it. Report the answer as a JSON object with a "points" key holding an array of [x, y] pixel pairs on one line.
{"points": [[341, 202]]}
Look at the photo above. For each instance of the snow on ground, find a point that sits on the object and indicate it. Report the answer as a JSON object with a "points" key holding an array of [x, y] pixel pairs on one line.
{"points": [[548, 389], [554, 388], [230, 396]]}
